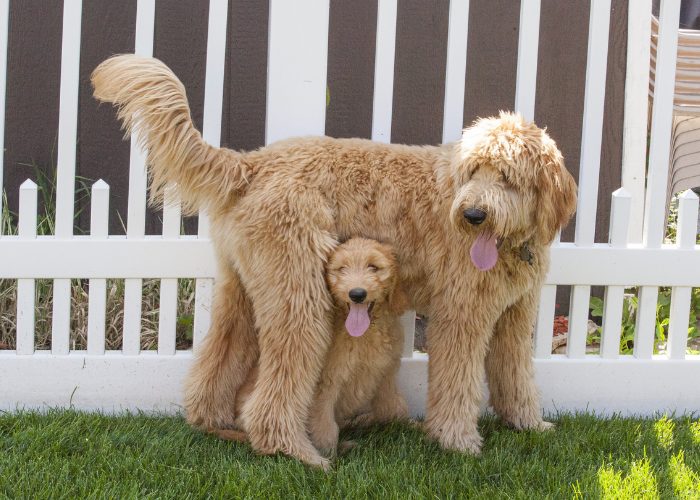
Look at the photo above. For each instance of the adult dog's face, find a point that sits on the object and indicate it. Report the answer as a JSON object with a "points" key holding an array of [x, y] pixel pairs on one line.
{"points": [[362, 276], [510, 184]]}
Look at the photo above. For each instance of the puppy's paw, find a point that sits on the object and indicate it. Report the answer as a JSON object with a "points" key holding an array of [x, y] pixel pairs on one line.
{"points": [[346, 446], [324, 436]]}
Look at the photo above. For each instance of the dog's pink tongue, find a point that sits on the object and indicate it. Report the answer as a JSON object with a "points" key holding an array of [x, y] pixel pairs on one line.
{"points": [[484, 252], [357, 322]]}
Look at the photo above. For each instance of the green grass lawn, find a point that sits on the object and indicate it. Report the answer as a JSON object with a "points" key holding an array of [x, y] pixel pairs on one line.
{"points": [[65, 454]]}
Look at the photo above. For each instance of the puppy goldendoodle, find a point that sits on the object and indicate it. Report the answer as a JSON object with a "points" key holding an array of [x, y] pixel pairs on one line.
{"points": [[470, 222], [358, 380]]}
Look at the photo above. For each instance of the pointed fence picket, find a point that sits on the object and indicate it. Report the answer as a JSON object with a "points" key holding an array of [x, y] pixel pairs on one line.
{"points": [[167, 311], [97, 287], [614, 294], [680, 295], [296, 91], [26, 287]]}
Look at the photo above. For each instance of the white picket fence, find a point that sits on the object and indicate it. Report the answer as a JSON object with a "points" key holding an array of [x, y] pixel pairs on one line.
{"points": [[636, 256]]}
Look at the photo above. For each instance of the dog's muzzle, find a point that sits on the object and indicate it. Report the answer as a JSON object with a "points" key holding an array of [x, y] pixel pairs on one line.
{"points": [[474, 216]]}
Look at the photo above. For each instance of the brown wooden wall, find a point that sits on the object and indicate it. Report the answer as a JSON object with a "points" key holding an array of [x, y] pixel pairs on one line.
{"points": [[180, 40]]}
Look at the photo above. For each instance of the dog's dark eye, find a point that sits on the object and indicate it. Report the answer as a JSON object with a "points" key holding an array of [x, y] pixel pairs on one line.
{"points": [[372, 268]]}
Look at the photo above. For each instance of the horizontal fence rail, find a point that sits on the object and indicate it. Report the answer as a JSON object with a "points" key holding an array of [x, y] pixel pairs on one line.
{"points": [[133, 377]]}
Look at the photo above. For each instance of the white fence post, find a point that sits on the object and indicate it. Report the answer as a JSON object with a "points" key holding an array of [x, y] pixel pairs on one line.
{"points": [[385, 52], [213, 104], [455, 72], [593, 109], [136, 211], [634, 138], [528, 48], [614, 294], [661, 123], [65, 179], [681, 295], [4, 27], [657, 177], [545, 322], [97, 287], [382, 107], [26, 287], [297, 63], [591, 138]]}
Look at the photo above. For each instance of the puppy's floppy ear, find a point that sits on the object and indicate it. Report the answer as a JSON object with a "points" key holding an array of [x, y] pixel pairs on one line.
{"points": [[556, 193], [397, 300]]}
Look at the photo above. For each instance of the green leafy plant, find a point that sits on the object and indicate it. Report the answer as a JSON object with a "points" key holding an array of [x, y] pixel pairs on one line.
{"points": [[629, 318]]}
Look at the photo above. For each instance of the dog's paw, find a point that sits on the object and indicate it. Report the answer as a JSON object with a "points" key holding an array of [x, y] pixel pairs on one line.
{"points": [[318, 462], [465, 442], [530, 424], [469, 443], [544, 426]]}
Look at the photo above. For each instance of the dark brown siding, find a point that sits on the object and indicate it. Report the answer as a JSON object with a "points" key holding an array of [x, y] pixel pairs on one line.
{"points": [[34, 73], [491, 60], [561, 73], [419, 71], [351, 47], [107, 29], [245, 79], [611, 154]]}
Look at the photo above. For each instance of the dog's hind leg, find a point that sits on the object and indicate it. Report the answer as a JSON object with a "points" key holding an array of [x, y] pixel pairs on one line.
{"points": [[225, 357], [510, 374], [292, 304]]}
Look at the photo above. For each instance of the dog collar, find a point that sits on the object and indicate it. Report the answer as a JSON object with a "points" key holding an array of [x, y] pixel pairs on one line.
{"points": [[526, 254]]}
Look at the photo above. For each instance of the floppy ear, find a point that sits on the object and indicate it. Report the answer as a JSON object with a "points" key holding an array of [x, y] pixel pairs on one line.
{"points": [[397, 300], [556, 195]]}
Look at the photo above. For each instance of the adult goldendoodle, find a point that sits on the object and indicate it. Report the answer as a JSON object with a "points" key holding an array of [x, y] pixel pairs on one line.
{"points": [[471, 223]]}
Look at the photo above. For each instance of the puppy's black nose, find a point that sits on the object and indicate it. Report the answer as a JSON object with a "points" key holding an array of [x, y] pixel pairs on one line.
{"points": [[474, 216], [358, 295]]}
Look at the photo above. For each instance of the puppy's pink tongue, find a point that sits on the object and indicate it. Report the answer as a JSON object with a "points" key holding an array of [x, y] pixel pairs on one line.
{"points": [[357, 322], [484, 252]]}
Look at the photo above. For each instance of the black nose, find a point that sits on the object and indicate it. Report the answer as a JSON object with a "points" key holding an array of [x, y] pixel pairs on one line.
{"points": [[474, 216], [358, 295]]}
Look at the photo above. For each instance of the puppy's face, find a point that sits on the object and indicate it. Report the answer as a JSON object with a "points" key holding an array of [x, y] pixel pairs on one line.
{"points": [[362, 276], [511, 183]]}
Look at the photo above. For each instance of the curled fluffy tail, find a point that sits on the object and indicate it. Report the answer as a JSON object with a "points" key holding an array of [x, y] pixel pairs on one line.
{"points": [[152, 103]]}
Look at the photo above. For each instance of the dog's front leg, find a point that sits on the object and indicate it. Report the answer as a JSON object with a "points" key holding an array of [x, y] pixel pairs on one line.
{"points": [[457, 344], [513, 393], [323, 427]]}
